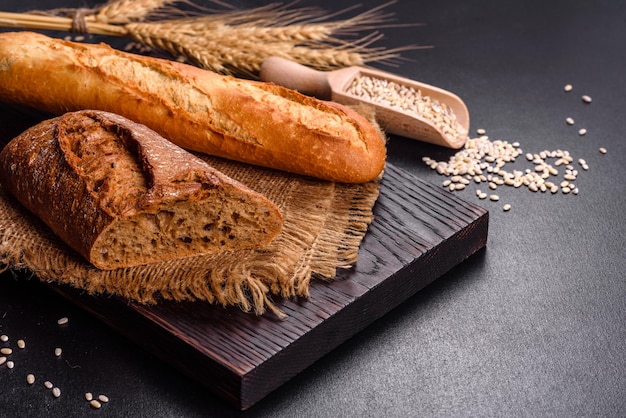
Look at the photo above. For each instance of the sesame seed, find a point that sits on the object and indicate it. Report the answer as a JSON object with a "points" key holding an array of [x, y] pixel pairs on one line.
{"points": [[6, 351], [602, 150], [63, 321], [3, 360], [21, 344], [582, 131], [4, 338], [58, 351], [10, 364], [480, 131], [494, 197], [103, 398], [56, 392], [30, 379], [586, 99], [569, 121], [568, 87], [88, 396], [48, 384], [95, 404], [506, 207]]}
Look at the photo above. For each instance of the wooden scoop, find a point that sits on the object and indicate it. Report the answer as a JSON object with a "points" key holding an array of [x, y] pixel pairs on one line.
{"points": [[442, 117]]}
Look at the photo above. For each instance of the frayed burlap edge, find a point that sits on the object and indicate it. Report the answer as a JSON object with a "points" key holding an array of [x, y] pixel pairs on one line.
{"points": [[324, 225]]}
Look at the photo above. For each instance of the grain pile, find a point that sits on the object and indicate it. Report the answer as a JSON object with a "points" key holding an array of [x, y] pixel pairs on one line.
{"points": [[409, 100], [486, 162]]}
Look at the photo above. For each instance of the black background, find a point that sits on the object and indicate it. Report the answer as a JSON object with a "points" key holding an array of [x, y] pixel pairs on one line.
{"points": [[532, 326]]}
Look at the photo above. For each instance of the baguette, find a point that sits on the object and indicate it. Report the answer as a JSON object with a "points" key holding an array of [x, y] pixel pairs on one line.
{"points": [[121, 195], [243, 120]]}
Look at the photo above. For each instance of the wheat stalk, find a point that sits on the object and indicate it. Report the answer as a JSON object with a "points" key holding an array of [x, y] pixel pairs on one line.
{"points": [[126, 11], [231, 41]]}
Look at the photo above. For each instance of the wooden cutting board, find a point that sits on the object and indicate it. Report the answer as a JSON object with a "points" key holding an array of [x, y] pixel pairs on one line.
{"points": [[420, 232]]}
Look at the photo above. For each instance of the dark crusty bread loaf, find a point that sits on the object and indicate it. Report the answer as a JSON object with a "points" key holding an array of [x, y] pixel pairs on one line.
{"points": [[253, 122], [122, 195]]}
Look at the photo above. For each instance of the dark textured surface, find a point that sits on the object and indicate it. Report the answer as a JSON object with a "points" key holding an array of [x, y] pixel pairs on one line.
{"points": [[420, 233], [533, 326]]}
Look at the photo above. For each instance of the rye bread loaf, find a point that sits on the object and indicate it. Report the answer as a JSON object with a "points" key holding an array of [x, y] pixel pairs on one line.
{"points": [[121, 195], [248, 121]]}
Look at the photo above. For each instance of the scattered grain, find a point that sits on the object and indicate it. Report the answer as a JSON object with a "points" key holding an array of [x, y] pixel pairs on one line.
{"points": [[10, 364], [586, 99], [95, 404], [48, 384], [103, 398], [582, 131], [506, 207], [58, 351], [30, 379], [602, 150], [569, 121], [480, 131], [56, 392], [63, 321], [4, 338], [568, 87], [494, 197], [6, 351], [21, 344], [88, 396], [3, 360], [484, 161]]}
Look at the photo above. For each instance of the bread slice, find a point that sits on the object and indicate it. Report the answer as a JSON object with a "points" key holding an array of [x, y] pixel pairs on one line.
{"points": [[122, 195]]}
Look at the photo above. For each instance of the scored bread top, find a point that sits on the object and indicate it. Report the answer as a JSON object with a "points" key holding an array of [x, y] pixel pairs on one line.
{"points": [[252, 122], [122, 195]]}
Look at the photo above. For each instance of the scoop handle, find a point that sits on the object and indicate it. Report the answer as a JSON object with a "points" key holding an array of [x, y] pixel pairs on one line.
{"points": [[296, 76]]}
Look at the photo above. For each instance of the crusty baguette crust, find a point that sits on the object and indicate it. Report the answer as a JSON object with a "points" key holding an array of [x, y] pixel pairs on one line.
{"points": [[121, 195], [253, 122]]}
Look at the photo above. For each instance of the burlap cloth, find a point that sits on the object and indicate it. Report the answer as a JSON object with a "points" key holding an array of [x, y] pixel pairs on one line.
{"points": [[324, 224]]}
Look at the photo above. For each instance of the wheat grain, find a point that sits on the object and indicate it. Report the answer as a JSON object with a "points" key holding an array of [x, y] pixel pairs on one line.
{"points": [[231, 42], [125, 11]]}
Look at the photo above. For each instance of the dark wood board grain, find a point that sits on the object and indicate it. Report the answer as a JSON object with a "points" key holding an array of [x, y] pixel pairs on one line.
{"points": [[420, 232]]}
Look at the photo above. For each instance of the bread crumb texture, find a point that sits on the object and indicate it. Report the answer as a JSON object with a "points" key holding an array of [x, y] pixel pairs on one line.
{"points": [[143, 199]]}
